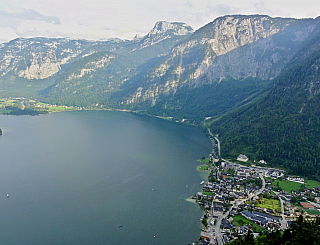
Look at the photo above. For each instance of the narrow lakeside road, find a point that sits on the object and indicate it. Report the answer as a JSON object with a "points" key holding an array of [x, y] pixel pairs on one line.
{"points": [[218, 145], [218, 142]]}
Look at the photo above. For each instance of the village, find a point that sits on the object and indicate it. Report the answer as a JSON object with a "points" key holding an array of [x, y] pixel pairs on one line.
{"points": [[239, 197]]}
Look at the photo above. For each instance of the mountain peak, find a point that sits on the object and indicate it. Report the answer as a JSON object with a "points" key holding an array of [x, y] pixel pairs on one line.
{"points": [[175, 28], [165, 30]]}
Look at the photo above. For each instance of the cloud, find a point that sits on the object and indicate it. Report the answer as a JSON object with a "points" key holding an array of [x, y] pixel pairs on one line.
{"points": [[27, 14], [261, 8], [7, 34], [209, 12], [97, 19], [223, 9], [188, 4], [26, 23], [312, 14]]}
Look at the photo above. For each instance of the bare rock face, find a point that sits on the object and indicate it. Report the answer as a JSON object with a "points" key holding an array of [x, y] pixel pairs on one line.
{"points": [[40, 70], [169, 63], [230, 46], [37, 58], [40, 58], [163, 30]]}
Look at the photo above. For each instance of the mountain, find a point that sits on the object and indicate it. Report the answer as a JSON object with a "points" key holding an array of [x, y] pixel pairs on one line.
{"points": [[32, 64], [28, 65], [233, 57], [165, 30], [91, 81], [255, 77], [283, 126]]}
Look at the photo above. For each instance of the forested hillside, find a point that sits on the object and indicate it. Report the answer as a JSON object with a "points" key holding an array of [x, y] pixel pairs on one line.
{"points": [[255, 75], [222, 65], [283, 126]]}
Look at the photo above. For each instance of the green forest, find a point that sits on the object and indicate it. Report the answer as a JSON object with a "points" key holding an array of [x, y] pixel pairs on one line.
{"points": [[283, 126]]}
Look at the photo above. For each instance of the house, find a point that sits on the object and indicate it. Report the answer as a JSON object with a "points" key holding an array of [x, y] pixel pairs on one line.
{"points": [[225, 224], [200, 195], [255, 218], [267, 216], [262, 162], [242, 158]]}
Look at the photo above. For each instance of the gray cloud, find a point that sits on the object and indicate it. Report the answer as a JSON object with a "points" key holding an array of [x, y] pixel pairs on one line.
{"points": [[260, 7], [188, 4], [110, 29], [312, 14], [223, 9], [214, 11], [12, 20]]}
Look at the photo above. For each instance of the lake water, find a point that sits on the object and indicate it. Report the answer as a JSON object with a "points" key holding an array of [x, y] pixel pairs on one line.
{"points": [[98, 177]]}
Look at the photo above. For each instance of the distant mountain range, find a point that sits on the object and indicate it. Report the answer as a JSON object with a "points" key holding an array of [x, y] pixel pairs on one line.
{"points": [[255, 76]]}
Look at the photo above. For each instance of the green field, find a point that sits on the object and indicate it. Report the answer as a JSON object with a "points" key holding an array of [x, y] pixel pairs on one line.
{"points": [[30, 107], [312, 211], [239, 220], [4, 111], [269, 204], [288, 186], [202, 167], [206, 160], [208, 193]]}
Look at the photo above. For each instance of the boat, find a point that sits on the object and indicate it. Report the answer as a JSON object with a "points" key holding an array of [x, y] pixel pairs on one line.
{"points": [[202, 182], [8, 195]]}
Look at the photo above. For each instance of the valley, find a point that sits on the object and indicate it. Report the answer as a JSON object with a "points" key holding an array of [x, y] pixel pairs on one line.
{"points": [[250, 82], [255, 77]]}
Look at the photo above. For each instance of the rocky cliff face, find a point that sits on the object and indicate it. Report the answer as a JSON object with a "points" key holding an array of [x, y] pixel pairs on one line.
{"points": [[170, 69], [41, 58], [231, 46], [163, 30], [104, 72]]}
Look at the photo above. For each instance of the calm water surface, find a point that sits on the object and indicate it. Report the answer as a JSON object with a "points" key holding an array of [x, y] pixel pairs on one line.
{"points": [[75, 177]]}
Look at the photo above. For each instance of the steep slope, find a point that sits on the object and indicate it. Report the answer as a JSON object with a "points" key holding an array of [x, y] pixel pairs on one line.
{"points": [[124, 63], [79, 85], [40, 58], [36, 62], [230, 54], [163, 30], [282, 127]]}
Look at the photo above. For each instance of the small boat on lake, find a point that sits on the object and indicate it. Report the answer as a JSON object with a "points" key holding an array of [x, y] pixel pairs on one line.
{"points": [[8, 195]]}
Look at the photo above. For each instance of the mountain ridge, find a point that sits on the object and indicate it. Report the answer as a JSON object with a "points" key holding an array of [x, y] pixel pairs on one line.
{"points": [[285, 132], [226, 70]]}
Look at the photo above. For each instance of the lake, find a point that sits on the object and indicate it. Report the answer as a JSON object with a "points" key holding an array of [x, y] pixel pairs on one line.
{"points": [[99, 177]]}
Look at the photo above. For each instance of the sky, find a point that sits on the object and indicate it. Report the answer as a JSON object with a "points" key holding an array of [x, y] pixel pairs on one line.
{"points": [[104, 19]]}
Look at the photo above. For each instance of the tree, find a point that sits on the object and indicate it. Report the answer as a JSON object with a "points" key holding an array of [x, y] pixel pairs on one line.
{"points": [[249, 238], [205, 222], [294, 199]]}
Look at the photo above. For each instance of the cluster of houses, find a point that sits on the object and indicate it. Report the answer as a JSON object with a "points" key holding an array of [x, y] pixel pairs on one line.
{"points": [[296, 179], [311, 194], [273, 173], [221, 194], [262, 219], [237, 182]]}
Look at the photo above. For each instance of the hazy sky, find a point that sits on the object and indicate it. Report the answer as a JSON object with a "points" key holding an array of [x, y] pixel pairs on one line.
{"points": [[102, 19]]}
